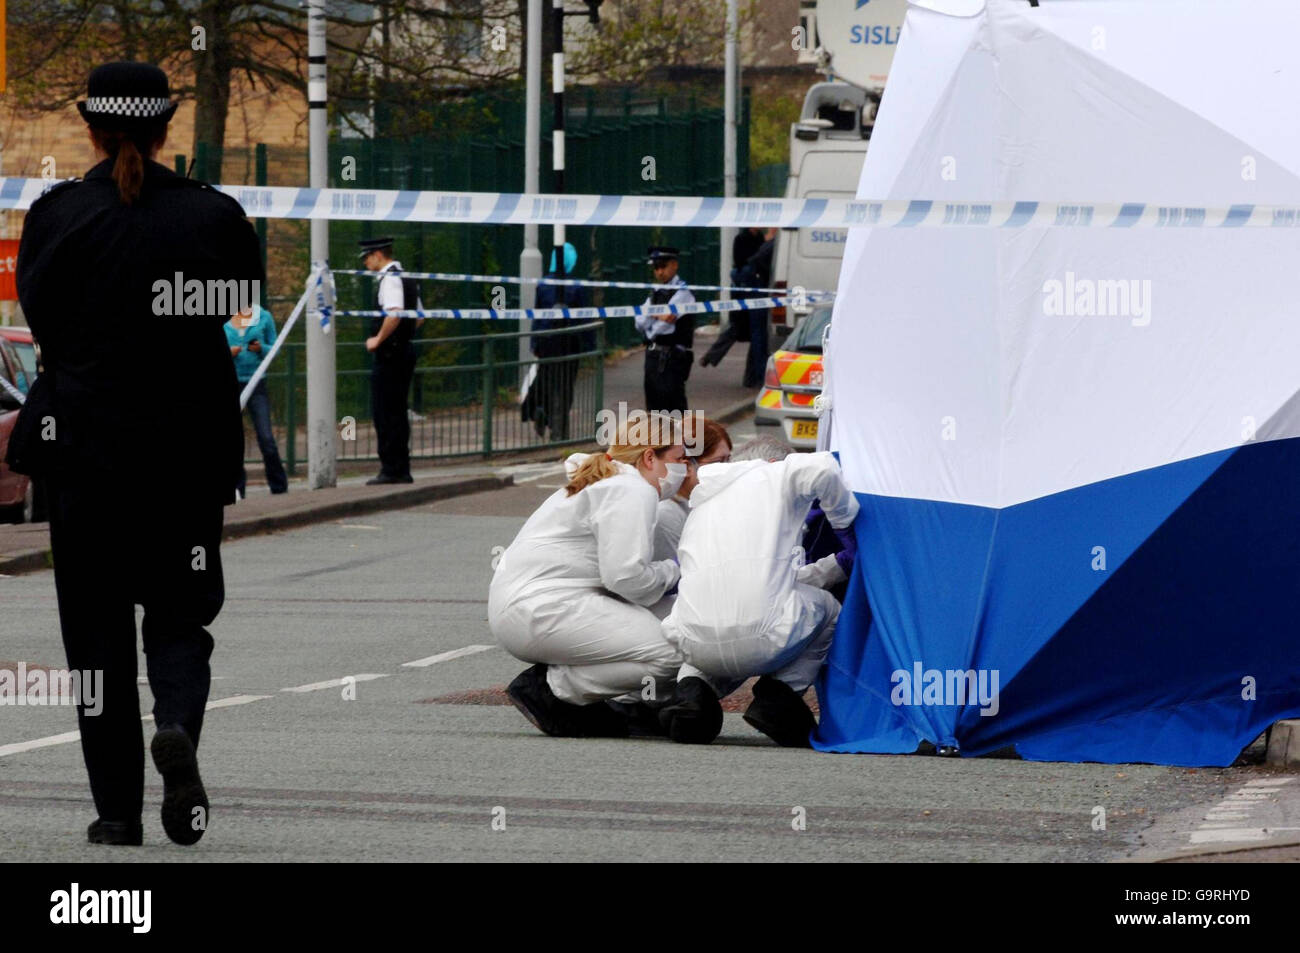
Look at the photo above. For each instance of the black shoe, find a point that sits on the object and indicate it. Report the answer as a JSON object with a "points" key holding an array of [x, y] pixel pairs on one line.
{"points": [[781, 714], [185, 803], [117, 833], [695, 716], [385, 478], [598, 720], [642, 719], [536, 702]]}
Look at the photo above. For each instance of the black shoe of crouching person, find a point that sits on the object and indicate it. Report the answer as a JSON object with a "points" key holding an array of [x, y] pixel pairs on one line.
{"points": [[642, 719], [695, 715], [781, 714], [560, 719]]}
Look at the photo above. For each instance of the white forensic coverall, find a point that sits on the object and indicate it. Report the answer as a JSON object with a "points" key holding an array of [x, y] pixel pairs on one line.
{"points": [[746, 604], [669, 520], [571, 591]]}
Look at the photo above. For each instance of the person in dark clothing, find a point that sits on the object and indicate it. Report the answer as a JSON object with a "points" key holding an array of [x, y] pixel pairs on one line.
{"points": [[752, 260], [391, 342], [668, 354], [140, 465], [551, 395]]}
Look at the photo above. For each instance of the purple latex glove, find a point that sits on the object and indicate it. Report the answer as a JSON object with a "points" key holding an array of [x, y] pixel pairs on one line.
{"points": [[849, 542]]}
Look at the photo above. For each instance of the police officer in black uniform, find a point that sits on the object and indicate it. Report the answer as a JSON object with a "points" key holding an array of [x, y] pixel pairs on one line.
{"points": [[668, 337], [391, 344], [146, 444]]}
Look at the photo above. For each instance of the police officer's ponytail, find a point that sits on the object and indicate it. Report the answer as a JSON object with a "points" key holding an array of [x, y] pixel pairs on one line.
{"points": [[128, 152]]}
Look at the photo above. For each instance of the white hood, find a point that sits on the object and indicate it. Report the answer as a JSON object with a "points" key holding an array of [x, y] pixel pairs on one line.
{"points": [[716, 477]]}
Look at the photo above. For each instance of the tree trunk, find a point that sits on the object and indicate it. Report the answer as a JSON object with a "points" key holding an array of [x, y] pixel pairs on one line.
{"points": [[212, 75]]}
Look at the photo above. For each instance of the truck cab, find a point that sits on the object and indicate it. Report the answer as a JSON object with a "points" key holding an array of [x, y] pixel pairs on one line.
{"points": [[827, 148]]}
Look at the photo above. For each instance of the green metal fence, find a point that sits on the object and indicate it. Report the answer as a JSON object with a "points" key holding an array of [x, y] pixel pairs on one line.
{"points": [[467, 408], [617, 142]]}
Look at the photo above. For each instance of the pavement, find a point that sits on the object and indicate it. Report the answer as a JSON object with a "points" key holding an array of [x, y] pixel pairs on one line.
{"points": [[714, 390]]}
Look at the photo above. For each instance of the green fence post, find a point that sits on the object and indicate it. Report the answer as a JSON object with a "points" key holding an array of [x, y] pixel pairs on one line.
{"points": [[201, 162], [179, 163], [488, 393], [291, 417]]}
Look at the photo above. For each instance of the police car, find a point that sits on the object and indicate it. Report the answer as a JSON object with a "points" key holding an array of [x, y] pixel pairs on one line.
{"points": [[793, 380]]}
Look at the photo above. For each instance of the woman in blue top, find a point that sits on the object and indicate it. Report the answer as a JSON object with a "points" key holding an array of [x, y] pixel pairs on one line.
{"points": [[250, 334]]}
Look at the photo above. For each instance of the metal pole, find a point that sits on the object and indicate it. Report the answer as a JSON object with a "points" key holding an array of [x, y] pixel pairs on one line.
{"points": [[557, 136], [731, 80], [530, 261], [321, 407]]}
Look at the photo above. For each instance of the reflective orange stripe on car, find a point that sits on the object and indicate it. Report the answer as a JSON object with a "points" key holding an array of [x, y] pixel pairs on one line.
{"points": [[770, 398], [795, 368]]}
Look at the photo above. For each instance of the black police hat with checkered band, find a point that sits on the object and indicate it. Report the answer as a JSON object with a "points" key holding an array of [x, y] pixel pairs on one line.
{"points": [[126, 96]]}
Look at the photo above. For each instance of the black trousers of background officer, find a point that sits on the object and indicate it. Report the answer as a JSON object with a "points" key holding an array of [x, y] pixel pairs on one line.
{"points": [[114, 548], [390, 388], [666, 369]]}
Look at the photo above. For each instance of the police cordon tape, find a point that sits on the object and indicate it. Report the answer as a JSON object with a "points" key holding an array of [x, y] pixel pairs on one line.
{"points": [[567, 282], [513, 208], [317, 287], [625, 311]]}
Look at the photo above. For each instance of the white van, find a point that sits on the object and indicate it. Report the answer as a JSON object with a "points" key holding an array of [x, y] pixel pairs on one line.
{"points": [[827, 148]]}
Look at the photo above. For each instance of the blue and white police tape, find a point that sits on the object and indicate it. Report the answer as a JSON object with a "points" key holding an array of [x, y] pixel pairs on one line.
{"points": [[13, 391], [322, 307], [567, 282], [279, 340], [513, 208], [628, 311]]}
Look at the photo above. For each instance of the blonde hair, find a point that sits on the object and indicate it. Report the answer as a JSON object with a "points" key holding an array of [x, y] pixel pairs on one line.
{"points": [[641, 432]]}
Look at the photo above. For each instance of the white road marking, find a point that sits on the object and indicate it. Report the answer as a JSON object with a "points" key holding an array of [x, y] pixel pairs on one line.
{"points": [[1222, 821], [21, 746], [233, 700], [356, 526], [448, 656], [332, 683], [528, 472], [70, 736], [1229, 836]]}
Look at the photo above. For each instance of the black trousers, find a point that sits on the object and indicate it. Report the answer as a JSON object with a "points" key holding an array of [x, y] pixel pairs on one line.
{"points": [[390, 388], [555, 384], [115, 547], [666, 371]]}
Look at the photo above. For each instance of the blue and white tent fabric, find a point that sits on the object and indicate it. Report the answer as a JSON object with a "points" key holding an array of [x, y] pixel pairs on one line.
{"points": [[1076, 450]]}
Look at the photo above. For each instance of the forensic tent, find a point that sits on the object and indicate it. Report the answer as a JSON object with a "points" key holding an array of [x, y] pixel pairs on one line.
{"points": [[1074, 434]]}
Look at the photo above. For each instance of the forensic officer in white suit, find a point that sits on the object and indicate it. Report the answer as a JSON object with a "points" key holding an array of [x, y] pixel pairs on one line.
{"points": [[747, 605], [573, 592]]}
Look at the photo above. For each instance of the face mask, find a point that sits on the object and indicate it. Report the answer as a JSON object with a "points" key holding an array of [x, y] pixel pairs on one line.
{"points": [[670, 484]]}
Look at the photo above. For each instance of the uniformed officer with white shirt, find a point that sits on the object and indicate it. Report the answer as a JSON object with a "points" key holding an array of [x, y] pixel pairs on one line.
{"points": [[391, 344], [668, 337]]}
